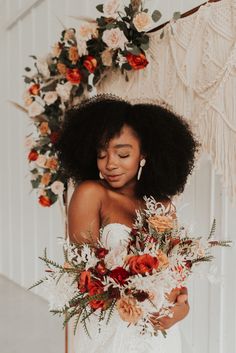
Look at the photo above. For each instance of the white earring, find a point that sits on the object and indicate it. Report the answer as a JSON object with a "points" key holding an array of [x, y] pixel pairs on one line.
{"points": [[101, 176], [142, 164]]}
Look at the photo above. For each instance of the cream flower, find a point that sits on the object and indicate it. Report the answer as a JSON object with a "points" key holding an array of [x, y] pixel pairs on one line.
{"points": [[50, 97], [69, 34], [114, 38], [27, 98], [87, 31], [35, 109], [142, 21], [110, 8], [57, 187], [107, 57], [64, 91], [82, 47], [129, 310], [41, 160], [42, 66]]}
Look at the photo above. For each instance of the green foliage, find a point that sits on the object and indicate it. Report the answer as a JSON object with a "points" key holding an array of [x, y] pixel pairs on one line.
{"points": [[156, 15]]}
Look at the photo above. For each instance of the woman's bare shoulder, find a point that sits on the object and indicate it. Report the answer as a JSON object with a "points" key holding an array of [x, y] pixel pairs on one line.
{"points": [[89, 188]]}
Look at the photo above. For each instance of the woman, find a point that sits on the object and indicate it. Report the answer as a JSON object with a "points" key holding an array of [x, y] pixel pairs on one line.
{"points": [[119, 153]]}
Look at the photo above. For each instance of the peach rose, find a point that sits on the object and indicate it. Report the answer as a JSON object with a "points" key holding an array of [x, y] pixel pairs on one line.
{"points": [[88, 31], [107, 57], [73, 54], [129, 310], [56, 50], [141, 264], [142, 21], [52, 163], [163, 259], [110, 8], [114, 38], [41, 160], [27, 98], [161, 223], [45, 180], [44, 128], [61, 68]]}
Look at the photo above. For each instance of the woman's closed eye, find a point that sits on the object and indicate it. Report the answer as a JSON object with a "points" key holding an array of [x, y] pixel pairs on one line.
{"points": [[124, 156]]}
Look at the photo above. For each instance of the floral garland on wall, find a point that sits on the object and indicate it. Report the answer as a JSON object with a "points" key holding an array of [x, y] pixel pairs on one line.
{"points": [[78, 61]]}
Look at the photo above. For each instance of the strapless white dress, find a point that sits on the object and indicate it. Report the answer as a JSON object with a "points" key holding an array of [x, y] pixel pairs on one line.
{"points": [[116, 337]]}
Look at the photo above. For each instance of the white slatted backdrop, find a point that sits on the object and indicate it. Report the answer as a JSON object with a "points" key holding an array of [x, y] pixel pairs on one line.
{"points": [[31, 27]]}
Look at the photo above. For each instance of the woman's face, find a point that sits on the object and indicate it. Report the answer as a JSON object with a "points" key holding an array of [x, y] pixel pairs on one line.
{"points": [[119, 161]]}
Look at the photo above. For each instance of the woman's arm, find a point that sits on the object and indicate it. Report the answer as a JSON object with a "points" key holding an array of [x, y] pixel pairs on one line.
{"points": [[84, 212]]}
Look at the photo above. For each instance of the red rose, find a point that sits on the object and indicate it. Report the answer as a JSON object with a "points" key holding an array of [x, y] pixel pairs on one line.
{"points": [[101, 253], [140, 264], [34, 89], [33, 155], [137, 62], [119, 274], [96, 287], [54, 136], [45, 201], [90, 63], [73, 75], [84, 281], [101, 268]]}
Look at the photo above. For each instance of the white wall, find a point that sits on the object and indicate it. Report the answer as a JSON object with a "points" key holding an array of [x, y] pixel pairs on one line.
{"points": [[31, 27]]}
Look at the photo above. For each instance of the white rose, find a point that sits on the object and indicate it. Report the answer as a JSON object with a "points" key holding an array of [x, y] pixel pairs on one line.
{"points": [[50, 97], [64, 91], [41, 160], [142, 21], [87, 31], [35, 109], [43, 67], [82, 47], [110, 8], [107, 57], [114, 38], [57, 187]]}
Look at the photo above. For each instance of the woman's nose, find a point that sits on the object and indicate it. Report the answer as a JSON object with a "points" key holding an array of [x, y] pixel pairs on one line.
{"points": [[111, 163]]}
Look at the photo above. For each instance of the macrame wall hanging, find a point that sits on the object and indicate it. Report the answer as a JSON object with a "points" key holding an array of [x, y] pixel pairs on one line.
{"points": [[193, 70]]}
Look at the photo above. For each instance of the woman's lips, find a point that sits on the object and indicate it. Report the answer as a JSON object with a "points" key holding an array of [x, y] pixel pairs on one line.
{"points": [[113, 177]]}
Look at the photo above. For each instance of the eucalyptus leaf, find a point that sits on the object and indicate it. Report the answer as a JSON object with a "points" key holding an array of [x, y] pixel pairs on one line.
{"points": [[35, 183], [144, 46], [135, 50], [156, 15], [27, 79], [176, 15], [126, 66], [100, 8], [33, 57], [27, 69]]}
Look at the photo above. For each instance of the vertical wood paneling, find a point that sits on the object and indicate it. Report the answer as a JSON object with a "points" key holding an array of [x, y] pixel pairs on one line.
{"points": [[26, 228]]}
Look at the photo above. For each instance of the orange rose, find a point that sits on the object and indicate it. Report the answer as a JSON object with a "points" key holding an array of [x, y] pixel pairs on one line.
{"points": [[96, 287], [73, 54], [137, 62], [34, 89], [84, 281], [45, 180], [129, 310], [45, 201], [140, 264], [51, 163], [101, 268], [44, 128], [61, 68], [90, 63], [33, 155], [73, 75], [161, 223]]}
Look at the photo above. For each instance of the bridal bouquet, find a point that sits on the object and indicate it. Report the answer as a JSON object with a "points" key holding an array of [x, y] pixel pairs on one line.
{"points": [[133, 278]]}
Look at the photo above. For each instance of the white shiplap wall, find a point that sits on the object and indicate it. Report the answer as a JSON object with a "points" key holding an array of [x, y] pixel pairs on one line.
{"points": [[31, 27]]}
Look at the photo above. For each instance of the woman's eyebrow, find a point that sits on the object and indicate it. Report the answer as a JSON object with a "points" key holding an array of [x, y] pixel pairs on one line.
{"points": [[123, 145]]}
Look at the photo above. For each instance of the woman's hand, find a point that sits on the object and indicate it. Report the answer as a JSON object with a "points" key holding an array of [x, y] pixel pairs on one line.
{"points": [[180, 310]]}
